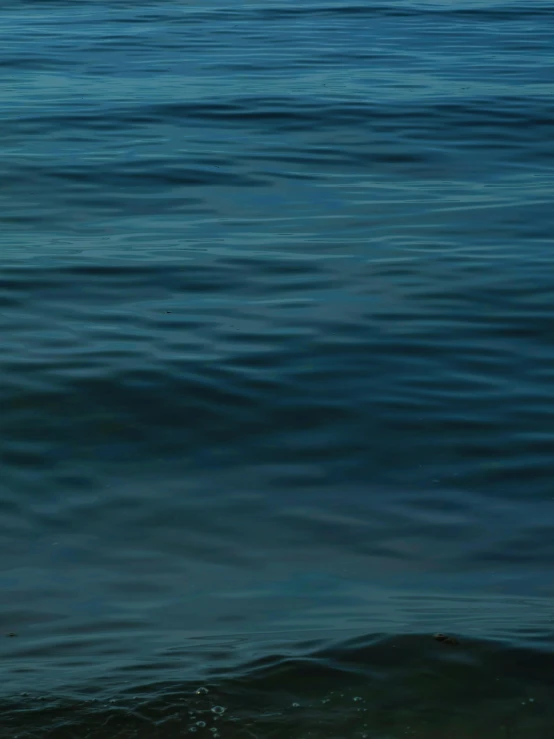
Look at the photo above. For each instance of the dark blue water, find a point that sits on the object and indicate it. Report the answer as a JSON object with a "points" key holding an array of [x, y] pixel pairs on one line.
{"points": [[276, 369]]}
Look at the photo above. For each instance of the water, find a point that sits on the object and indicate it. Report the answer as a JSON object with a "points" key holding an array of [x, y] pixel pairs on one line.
{"points": [[276, 372]]}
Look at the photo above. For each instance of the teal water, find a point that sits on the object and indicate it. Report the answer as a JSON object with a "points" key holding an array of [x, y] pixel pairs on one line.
{"points": [[276, 370]]}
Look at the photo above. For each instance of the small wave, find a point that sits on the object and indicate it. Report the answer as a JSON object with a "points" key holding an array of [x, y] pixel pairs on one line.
{"points": [[371, 687]]}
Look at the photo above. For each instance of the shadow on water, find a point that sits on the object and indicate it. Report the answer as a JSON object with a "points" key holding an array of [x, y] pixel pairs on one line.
{"points": [[373, 687]]}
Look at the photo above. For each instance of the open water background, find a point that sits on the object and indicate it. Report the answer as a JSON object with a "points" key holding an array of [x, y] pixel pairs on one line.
{"points": [[276, 369]]}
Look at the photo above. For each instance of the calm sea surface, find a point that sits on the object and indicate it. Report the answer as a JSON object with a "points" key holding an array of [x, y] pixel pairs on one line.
{"points": [[276, 369]]}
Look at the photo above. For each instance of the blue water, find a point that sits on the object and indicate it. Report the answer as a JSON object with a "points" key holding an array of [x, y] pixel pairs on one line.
{"points": [[276, 372]]}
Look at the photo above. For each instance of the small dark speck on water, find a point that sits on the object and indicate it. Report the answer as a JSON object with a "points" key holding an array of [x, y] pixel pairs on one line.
{"points": [[446, 639]]}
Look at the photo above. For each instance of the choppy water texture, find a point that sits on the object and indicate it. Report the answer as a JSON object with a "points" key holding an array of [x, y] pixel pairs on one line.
{"points": [[276, 369]]}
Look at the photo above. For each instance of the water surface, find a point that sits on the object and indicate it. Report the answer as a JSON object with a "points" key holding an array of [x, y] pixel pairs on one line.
{"points": [[276, 372]]}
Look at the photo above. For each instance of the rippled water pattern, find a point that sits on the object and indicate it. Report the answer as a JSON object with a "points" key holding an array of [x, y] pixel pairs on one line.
{"points": [[276, 364]]}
